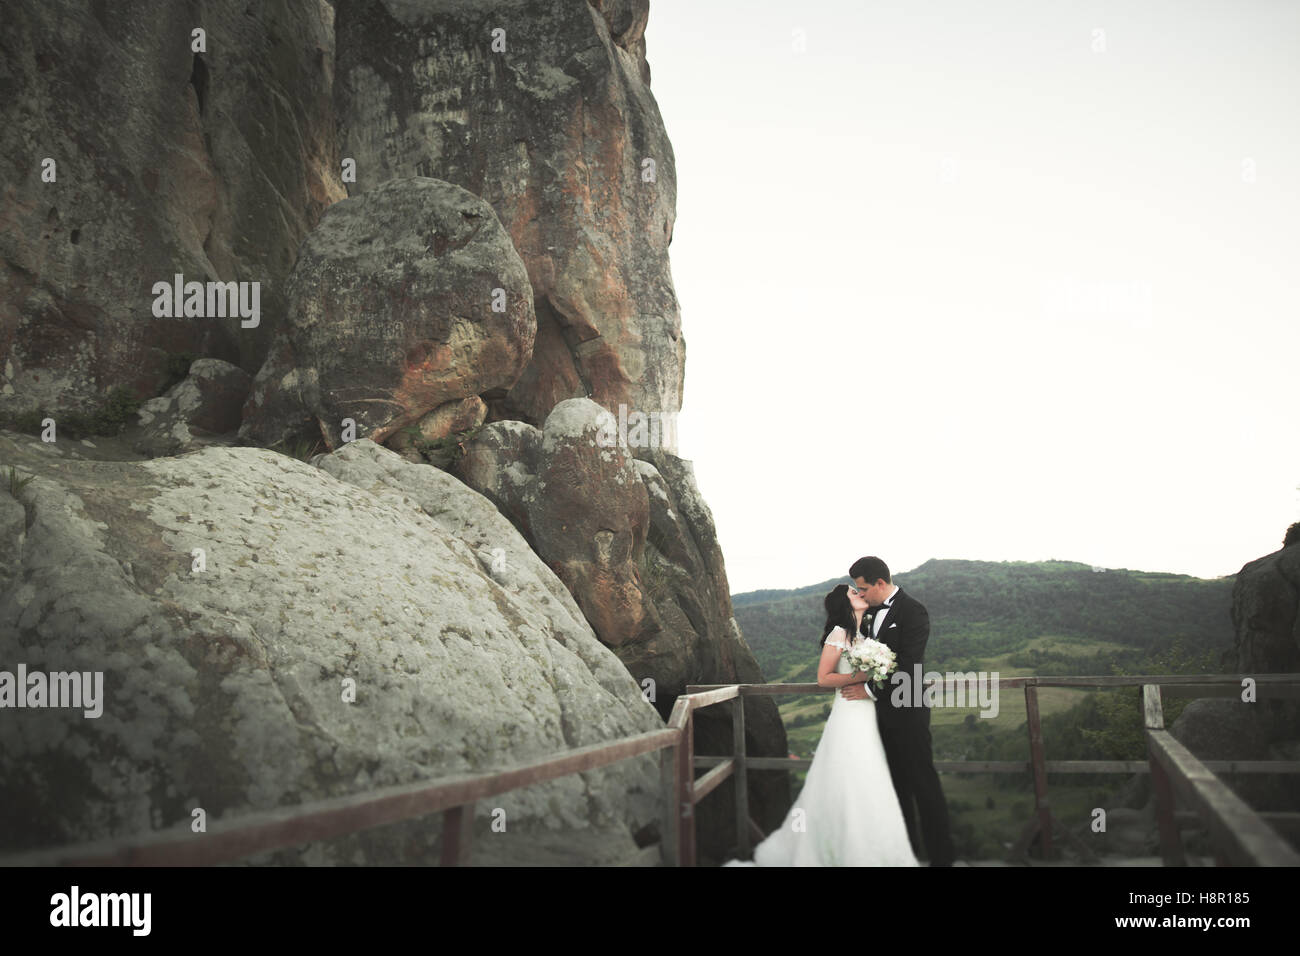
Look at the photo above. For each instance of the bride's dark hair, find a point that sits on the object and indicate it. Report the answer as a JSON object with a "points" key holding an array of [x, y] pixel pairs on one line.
{"points": [[839, 613]]}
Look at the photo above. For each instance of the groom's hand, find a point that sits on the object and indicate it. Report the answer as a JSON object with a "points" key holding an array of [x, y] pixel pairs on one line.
{"points": [[854, 691]]}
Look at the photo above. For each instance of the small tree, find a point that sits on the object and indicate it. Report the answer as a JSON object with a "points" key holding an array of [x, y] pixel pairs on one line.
{"points": [[1121, 735]]}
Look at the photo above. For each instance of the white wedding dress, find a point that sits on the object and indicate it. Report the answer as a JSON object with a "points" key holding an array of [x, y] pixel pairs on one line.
{"points": [[847, 813]]}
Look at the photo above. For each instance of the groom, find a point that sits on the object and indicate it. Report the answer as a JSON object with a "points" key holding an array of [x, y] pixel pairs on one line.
{"points": [[902, 622]]}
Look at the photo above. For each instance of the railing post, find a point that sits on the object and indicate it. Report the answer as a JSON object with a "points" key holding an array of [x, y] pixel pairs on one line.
{"points": [[671, 822], [742, 783], [685, 798], [457, 833], [1171, 841], [1038, 763]]}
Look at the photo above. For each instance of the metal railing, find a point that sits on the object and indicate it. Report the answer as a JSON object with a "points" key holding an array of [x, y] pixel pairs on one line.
{"points": [[228, 840], [1243, 835]]}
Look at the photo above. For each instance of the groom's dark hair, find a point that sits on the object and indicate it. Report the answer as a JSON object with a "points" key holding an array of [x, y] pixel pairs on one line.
{"points": [[870, 570]]}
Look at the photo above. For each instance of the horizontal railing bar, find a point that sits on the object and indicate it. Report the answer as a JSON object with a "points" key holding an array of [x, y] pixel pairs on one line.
{"points": [[1164, 680], [1252, 766], [776, 763], [1022, 766], [755, 762], [1108, 680], [1246, 839], [707, 783], [1263, 690], [761, 690], [1274, 817], [253, 833], [714, 695], [1113, 766]]}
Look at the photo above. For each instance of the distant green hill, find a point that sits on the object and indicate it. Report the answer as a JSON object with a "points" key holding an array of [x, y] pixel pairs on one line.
{"points": [[983, 609]]}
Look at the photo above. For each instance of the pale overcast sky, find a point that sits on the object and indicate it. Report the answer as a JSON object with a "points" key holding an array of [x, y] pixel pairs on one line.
{"points": [[1038, 258]]}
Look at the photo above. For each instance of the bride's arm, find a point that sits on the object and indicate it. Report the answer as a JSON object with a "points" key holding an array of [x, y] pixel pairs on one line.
{"points": [[826, 666]]}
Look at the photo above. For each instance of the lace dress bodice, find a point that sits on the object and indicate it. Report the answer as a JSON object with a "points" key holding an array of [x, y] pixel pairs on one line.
{"points": [[839, 638]]}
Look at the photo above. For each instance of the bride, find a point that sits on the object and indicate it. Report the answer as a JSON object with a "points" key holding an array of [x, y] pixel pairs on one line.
{"points": [[847, 813]]}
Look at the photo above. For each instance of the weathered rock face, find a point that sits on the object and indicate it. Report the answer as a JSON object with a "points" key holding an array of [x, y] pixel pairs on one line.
{"points": [[635, 541], [1266, 618], [560, 134], [223, 687], [501, 464], [208, 403], [1266, 613], [213, 165], [589, 507], [701, 643], [403, 299], [581, 505], [445, 421], [588, 514], [685, 563]]}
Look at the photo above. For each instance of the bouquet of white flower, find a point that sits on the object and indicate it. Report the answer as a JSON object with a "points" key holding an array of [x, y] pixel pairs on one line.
{"points": [[871, 657]]}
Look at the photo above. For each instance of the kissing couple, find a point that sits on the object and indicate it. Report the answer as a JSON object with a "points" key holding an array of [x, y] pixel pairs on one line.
{"points": [[873, 762]]}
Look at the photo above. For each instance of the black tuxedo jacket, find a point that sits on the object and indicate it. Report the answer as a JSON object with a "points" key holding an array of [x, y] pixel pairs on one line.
{"points": [[905, 630]]}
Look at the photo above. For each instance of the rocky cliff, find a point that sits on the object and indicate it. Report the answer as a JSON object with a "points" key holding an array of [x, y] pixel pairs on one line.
{"points": [[544, 110], [1266, 625], [129, 157], [387, 281]]}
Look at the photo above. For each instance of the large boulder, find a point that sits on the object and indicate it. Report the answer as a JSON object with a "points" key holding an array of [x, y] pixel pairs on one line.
{"points": [[500, 463], [204, 406], [581, 505], [1266, 622], [212, 164], [559, 132], [403, 299], [1266, 613], [225, 687], [588, 514]]}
